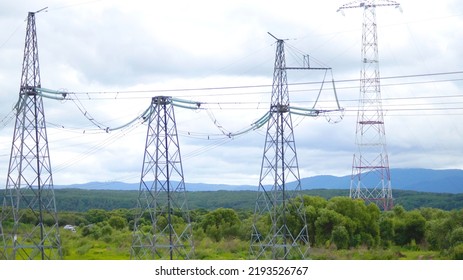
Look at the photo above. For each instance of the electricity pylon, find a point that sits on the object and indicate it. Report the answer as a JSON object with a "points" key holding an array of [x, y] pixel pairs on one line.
{"points": [[371, 180], [279, 229], [29, 223], [162, 228]]}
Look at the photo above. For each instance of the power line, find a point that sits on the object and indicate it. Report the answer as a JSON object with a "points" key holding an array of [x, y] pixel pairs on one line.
{"points": [[266, 85]]}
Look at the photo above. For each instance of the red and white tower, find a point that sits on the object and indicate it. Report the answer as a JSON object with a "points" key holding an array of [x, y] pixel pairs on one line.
{"points": [[371, 179]]}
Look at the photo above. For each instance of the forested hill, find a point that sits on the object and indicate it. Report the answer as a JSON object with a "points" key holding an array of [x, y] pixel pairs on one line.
{"points": [[413, 179], [82, 200]]}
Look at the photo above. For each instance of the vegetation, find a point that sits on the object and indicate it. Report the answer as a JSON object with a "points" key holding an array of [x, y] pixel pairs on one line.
{"points": [[82, 200], [339, 228]]}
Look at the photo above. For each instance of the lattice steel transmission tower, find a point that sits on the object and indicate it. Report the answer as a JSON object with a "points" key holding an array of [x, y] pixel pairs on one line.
{"points": [[162, 227], [279, 229], [29, 223], [371, 179]]}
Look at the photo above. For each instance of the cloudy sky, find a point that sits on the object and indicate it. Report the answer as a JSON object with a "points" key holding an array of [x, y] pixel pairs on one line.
{"points": [[117, 55]]}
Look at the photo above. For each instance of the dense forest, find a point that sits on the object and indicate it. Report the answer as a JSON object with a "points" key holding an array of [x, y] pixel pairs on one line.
{"points": [[82, 200], [339, 228]]}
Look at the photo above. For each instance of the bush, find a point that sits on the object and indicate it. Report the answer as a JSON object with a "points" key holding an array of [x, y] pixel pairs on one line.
{"points": [[458, 252], [92, 230], [409, 226], [82, 250], [326, 223], [340, 237], [96, 215], [221, 223], [106, 230], [117, 222], [456, 237], [386, 227]]}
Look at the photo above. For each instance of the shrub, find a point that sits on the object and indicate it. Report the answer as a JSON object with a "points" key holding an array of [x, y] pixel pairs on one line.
{"points": [[340, 237], [456, 237], [458, 252], [117, 222]]}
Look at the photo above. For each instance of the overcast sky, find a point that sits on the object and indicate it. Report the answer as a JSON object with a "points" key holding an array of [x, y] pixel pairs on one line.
{"points": [[122, 53]]}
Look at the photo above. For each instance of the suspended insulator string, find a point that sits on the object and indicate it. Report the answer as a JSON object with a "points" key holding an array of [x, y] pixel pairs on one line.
{"points": [[7, 119], [86, 114], [185, 106], [216, 123], [306, 112], [321, 88], [254, 126], [146, 114], [143, 117], [56, 95], [200, 135], [63, 95], [192, 105], [177, 100], [335, 94], [313, 112]]}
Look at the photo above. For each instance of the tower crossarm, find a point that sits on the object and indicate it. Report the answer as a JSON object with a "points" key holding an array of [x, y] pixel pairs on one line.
{"points": [[368, 4], [307, 68]]}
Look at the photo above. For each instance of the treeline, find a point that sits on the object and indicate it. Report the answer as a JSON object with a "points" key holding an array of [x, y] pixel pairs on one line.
{"points": [[337, 227], [82, 200]]}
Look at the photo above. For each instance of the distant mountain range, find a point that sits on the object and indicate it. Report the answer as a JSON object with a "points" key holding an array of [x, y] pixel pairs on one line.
{"points": [[415, 179]]}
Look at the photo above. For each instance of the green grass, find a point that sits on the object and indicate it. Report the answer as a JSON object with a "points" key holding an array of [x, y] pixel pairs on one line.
{"points": [[117, 247], [395, 253], [113, 247]]}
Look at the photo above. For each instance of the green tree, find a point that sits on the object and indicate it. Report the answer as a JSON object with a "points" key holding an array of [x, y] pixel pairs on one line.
{"points": [[442, 232], [28, 217], [340, 237], [360, 220], [386, 228], [221, 223], [437, 233], [311, 215], [456, 237], [433, 214], [415, 226], [117, 222], [316, 201], [399, 211], [313, 205], [71, 218], [92, 230], [106, 230], [96, 215], [409, 226], [325, 224], [458, 252]]}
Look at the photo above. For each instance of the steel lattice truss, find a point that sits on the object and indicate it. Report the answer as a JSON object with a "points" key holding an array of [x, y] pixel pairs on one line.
{"points": [[370, 169], [29, 197], [279, 229], [162, 228]]}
